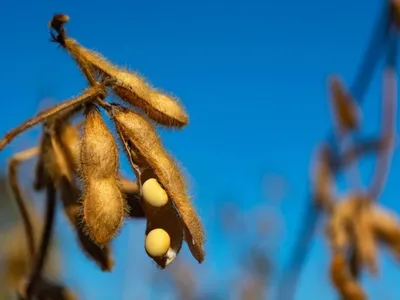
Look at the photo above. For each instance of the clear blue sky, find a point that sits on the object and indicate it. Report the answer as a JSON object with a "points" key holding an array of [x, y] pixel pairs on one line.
{"points": [[252, 75]]}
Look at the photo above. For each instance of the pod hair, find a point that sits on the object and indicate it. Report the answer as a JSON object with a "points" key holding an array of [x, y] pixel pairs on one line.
{"points": [[59, 149], [103, 202], [144, 140], [130, 87]]}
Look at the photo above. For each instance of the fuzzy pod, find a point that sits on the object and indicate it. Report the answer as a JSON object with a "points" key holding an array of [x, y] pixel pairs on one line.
{"points": [[163, 222], [53, 157], [339, 224], [367, 247], [103, 209], [386, 227], [144, 140], [99, 151], [69, 137], [70, 195], [342, 279], [59, 168], [130, 87], [345, 108]]}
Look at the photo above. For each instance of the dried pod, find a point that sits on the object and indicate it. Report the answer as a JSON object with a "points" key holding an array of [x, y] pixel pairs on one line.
{"points": [[103, 203], [70, 195], [144, 140], [99, 151], [365, 238], [69, 138], [130, 87], [56, 164], [59, 155], [347, 286], [103, 210], [341, 222], [59, 149], [345, 109], [165, 217], [386, 227]]}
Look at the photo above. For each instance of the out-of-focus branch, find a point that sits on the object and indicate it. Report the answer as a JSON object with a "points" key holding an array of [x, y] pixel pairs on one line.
{"points": [[288, 283], [389, 115], [287, 286]]}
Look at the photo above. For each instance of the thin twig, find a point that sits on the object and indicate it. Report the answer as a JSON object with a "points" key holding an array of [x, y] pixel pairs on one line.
{"points": [[287, 286], [17, 193], [45, 242], [371, 57], [87, 95], [388, 122]]}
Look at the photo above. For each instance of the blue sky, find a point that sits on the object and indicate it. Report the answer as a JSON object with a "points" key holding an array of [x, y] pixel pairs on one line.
{"points": [[252, 76]]}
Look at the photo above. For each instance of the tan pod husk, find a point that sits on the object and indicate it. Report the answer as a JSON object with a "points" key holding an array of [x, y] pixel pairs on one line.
{"points": [[103, 202], [346, 285], [143, 140], [130, 87], [165, 217], [345, 108]]}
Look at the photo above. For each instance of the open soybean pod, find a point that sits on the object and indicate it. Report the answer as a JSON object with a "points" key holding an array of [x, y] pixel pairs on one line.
{"points": [[103, 203], [141, 137], [164, 228], [130, 87], [164, 233]]}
